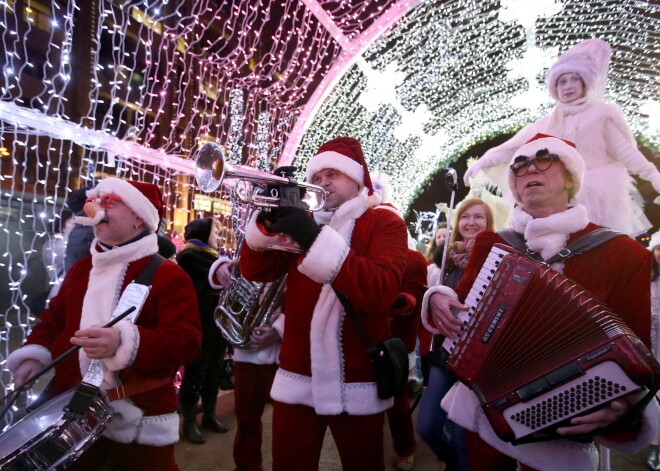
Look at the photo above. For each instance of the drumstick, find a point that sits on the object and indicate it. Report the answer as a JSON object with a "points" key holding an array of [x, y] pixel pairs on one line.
{"points": [[64, 355]]}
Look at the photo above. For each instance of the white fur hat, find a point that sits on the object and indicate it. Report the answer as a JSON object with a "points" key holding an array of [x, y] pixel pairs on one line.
{"points": [[655, 241], [590, 59], [144, 199], [563, 149]]}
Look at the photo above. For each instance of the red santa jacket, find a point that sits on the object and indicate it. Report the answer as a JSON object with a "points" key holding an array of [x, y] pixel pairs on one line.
{"points": [[339, 376], [406, 319], [617, 272], [169, 336]]}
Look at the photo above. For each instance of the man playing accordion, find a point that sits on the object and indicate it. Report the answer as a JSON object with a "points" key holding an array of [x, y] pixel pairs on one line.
{"points": [[544, 177]]}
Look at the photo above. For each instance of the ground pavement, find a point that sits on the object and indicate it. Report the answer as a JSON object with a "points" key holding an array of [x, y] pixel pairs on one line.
{"points": [[216, 453]]}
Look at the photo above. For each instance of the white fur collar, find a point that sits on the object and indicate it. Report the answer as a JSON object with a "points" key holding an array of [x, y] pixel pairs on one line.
{"points": [[557, 124], [350, 210], [548, 235], [147, 245], [105, 281]]}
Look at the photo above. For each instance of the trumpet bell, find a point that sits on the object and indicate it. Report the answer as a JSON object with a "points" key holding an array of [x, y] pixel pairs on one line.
{"points": [[210, 167], [251, 186]]}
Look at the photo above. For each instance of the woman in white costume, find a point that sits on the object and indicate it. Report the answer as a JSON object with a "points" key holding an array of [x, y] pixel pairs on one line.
{"points": [[599, 130]]}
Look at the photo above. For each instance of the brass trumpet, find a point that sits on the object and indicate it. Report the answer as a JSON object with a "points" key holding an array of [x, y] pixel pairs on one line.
{"points": [[254, 187]]}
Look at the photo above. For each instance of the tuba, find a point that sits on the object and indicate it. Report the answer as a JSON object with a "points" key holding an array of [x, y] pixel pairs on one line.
{"points": [[247, 305]]}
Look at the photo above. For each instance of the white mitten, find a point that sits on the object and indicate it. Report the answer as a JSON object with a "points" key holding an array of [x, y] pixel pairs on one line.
{"points": [[472, 170], [220, 273]]}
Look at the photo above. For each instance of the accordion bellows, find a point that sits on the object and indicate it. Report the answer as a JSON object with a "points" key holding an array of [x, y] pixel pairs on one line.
{"points": [[538, 349]]}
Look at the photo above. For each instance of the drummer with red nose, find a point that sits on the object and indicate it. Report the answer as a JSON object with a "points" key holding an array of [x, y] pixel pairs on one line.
{"points": [[139, 354]]}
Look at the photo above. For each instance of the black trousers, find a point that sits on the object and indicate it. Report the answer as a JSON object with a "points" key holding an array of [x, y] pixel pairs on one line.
{"points": [[202, 377]]}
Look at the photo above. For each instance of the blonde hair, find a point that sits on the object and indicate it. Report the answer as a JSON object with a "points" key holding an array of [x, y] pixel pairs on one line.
{"points": [[465, 205]]}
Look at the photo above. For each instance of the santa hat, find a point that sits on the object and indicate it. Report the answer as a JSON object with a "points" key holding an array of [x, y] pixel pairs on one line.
{"points": [[589, 59], [343, 154], [144, 199], [655, 241], [565, 150], [381, 182]]}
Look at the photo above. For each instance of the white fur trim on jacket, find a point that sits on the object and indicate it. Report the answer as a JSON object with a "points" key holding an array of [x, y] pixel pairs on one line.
{"points": [[426, 311], [548, 235], [28, 352], [265, 356], [463, 408], [325, 257], [326, 391], [254, 236], [132, 197], [129, 339], [356, 398], [214, 267], [332, 159], [129, 425], [103, 291], [648, 431]]}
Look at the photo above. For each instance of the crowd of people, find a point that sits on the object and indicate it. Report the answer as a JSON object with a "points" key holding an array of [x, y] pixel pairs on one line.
{"points": [[353, 280]]}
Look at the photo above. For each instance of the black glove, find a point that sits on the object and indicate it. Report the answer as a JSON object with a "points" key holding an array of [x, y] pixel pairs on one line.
{"points": [[400, 302], [298, 224], [270, 215]]}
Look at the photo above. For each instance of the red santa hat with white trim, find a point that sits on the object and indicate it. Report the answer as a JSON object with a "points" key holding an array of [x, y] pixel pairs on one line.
{"points": [[144, 199], [546, 144], [343, 154]]}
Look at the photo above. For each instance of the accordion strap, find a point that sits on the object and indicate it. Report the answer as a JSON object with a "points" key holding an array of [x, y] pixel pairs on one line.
{"points": [[582, 245]]}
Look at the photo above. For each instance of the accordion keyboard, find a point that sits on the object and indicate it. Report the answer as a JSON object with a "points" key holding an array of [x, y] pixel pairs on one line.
{"points": [[476, 293], [599, 385]]}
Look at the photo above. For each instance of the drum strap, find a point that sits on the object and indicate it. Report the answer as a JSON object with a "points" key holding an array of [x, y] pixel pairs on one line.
{"points": [[135, 295]]}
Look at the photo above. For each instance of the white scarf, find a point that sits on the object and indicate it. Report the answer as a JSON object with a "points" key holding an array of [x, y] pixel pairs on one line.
{"points": [[105, 281], [548, 235], [326, 348], [556, 124]]}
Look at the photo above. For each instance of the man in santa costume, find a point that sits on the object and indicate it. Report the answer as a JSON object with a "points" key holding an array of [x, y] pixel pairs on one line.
{"points": [[139, 358], [405, 321], [325, 378], [545, 177], [255, 366]]}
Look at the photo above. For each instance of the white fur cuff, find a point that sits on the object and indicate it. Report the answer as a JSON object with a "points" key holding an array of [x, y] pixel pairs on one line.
{"points": [[28, 352], [426, 311], [217, 264], [292, 388], [649, 429], [129, 340], [325, 257], [159, 430], [254, 237]]}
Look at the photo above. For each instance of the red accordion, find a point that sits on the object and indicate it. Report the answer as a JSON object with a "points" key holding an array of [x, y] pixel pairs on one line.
{"points": [[538, 350]]}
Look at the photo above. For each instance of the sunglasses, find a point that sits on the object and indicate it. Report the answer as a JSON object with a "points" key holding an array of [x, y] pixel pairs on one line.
{"points": [[542, 163], [104, 201]]}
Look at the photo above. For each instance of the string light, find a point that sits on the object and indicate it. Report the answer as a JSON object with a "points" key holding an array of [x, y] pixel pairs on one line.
{"points": [[417, 81], [474, 70]]}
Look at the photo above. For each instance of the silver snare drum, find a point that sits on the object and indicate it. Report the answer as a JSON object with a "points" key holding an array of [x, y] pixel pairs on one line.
{"points": [[45, 439]]}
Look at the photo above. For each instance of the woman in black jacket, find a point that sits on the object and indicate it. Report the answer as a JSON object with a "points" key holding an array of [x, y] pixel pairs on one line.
{"points": [[201, 377]]}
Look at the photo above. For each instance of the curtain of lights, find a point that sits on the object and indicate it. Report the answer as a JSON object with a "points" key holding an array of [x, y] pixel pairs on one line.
{"points": [[92, 88]]}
